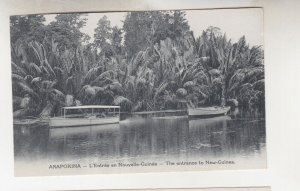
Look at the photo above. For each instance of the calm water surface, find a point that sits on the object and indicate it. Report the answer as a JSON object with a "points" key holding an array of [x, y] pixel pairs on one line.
{"points": [[239, 134]]}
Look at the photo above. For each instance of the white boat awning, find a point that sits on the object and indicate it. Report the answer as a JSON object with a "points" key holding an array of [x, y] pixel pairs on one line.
{"points": [[93, 107]]}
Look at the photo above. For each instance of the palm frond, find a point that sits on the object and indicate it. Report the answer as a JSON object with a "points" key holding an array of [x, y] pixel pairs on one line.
{"points": [[92, 74], [17, 78], [26, 89], [162, 87], [188, 84], [35, 69], [117, 88], [120, 100], [104, 75], [47, 85], [17, 69]]}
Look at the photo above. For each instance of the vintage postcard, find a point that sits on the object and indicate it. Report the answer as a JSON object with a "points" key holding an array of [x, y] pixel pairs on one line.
{"points": [[144, 91]]}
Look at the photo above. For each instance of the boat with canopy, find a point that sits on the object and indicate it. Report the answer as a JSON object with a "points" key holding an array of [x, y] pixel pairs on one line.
{"points": [[86, 115]]}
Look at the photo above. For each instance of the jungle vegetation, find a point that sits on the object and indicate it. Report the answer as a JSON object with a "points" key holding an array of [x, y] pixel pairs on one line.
{"points": [[154, 62]]}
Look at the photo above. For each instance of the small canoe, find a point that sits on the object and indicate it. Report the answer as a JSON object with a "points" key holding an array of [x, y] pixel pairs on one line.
{"points": [[204, 112], [29, 122]]}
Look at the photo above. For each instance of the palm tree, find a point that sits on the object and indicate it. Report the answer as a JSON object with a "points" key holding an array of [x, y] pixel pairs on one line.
{"points": [[34, 80], [231, 67], [101, 86]]}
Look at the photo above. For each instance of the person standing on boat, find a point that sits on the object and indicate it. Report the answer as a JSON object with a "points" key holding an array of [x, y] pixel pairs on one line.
{"points": [[223, 102]]}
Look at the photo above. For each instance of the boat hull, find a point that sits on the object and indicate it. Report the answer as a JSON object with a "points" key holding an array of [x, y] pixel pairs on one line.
{"points": [[206, 112], [91, 130], [73, 122]]}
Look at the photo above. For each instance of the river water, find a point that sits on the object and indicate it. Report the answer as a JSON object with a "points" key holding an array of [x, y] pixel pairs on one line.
{"points": [[240, 134]]}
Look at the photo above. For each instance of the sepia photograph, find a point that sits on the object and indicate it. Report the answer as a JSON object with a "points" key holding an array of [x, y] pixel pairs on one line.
{"points": [[140, 91]]}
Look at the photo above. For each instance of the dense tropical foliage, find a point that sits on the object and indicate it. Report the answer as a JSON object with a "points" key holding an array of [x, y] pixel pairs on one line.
{"points": [[153, 62]]}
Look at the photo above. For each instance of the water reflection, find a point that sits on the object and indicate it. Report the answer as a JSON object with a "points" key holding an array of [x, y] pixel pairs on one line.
{"points": [[151, 138], [209, 135]]}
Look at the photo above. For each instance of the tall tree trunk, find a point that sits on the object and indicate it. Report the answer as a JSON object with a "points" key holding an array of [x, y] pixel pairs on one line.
{"points": [[223, 95]]}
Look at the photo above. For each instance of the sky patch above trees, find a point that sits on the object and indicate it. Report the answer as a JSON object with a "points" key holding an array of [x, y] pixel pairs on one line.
{"points": [[227, 20]]}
